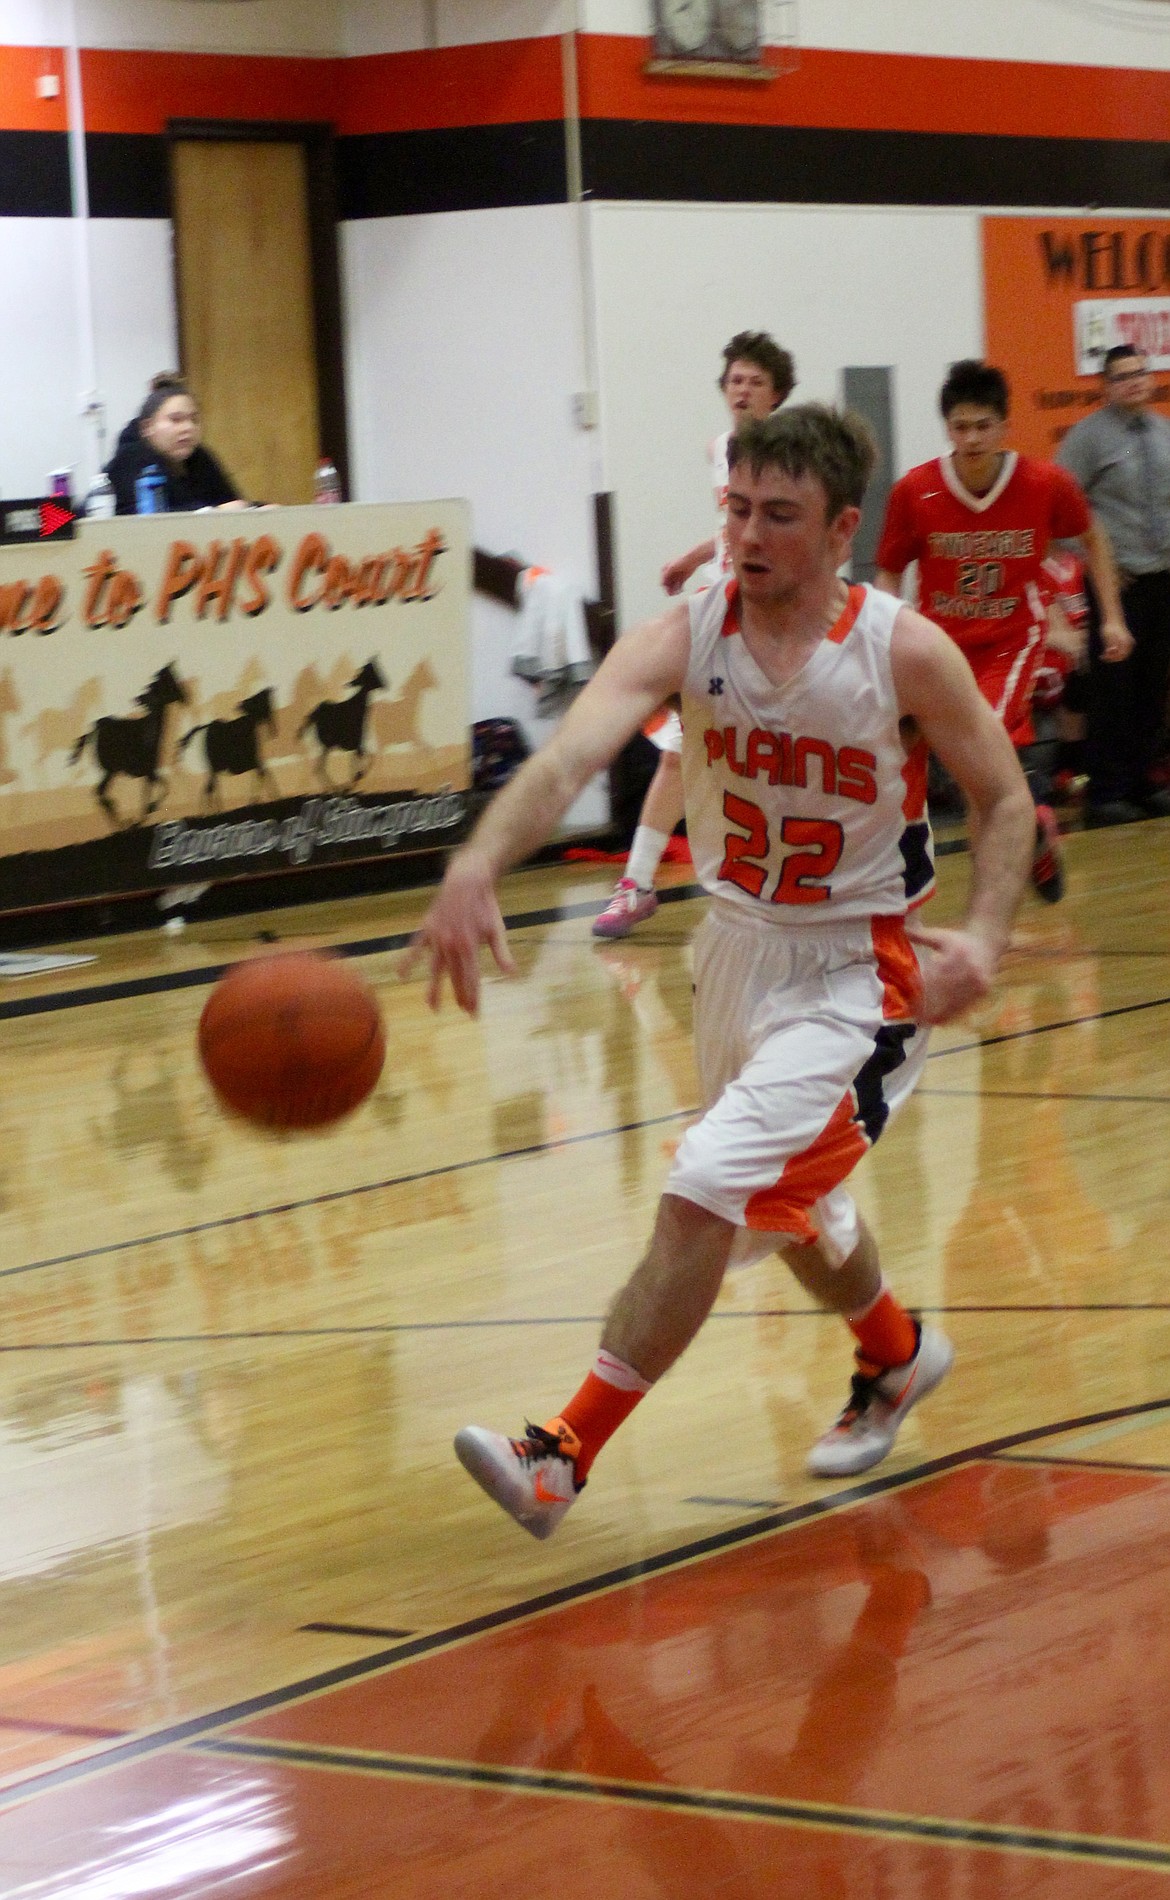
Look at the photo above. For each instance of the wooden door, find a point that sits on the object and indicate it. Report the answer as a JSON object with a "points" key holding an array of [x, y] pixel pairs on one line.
{"points": [[244, 268]]}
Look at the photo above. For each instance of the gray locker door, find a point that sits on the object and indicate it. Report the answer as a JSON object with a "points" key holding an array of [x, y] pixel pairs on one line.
{"points": [[870, 392]]}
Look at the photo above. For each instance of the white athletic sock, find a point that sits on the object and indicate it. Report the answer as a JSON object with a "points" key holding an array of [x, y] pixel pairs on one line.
{"points": [[646, 855], [614, 1371]]}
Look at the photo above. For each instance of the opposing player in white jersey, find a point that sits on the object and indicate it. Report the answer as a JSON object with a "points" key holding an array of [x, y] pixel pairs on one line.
{"points": [[757, 377], [807, 707]]}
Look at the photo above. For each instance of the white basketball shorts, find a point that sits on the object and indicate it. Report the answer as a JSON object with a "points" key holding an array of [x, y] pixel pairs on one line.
{"points": [[665, 729], [806, 1044]]}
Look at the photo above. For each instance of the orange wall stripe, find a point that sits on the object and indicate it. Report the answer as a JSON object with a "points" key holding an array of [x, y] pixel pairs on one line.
{"points": [[512, 81], [20, 109], [503, 82], [139, 92], [884, 92]]}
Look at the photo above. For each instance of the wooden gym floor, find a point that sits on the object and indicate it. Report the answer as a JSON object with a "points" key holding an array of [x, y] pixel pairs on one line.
{"points": [[260, 1636]]}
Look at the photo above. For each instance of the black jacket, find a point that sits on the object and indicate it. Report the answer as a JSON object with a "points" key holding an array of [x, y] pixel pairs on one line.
{"points": [[200, 482]]}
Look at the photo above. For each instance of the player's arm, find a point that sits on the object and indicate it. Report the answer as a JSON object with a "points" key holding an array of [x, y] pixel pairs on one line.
{"points": [[1116, 638], [644, 668], [936, 688], [897, 543], [677, 573]]}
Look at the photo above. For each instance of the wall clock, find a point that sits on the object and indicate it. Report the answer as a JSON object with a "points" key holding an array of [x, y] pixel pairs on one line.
{"points": [[683, 28], [738, 25], [708, 31]]}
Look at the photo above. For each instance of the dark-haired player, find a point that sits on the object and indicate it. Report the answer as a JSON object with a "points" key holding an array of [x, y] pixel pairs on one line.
{"points": [[979, 521], [757, 376]]}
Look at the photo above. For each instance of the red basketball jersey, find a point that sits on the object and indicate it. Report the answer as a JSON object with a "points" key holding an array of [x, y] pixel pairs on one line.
{"points": [[980, 557]]}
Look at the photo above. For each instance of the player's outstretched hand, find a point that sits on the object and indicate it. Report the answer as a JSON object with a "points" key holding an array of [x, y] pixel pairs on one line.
{"points": [[957, 971], [463, 916], [676, 574]]}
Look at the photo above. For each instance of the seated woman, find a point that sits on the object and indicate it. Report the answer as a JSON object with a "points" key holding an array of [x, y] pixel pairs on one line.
{"points": [[168, 436]]}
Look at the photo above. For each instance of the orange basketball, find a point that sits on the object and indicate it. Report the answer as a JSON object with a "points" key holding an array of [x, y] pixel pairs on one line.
{"points": [[292, 1041]]}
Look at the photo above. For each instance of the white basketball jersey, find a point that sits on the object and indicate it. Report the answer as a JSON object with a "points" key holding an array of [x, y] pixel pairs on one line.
{"points": [[802, 803], [719, 477]]}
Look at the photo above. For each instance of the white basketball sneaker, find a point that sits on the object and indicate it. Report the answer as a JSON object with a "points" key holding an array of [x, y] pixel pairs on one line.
{"points": [[533, 1478], [877, 1404]]}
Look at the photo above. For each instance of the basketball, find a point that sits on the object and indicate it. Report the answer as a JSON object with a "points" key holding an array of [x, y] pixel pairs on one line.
{"points": [[293, 1040]]}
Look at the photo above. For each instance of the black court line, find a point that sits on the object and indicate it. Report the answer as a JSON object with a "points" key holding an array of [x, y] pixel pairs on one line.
{"points": [[130, 987], [1041, 1095], [805, 1814], [344, 1194], [1057, 1306], [388, 1328], [1093, 1464], [538, 1148], [194, 1728], [209, 974], [352, 1629], [739, 1504], [1048, 1029]]}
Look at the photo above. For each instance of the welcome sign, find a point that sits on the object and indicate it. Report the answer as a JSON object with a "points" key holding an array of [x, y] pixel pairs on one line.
{"points": [[1058, 293], [195, 697]]}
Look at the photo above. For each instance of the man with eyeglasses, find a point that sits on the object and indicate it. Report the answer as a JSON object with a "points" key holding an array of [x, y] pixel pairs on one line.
{"points": [[1121, 456]]}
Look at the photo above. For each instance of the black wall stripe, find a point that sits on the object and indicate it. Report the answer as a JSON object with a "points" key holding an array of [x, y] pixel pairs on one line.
{"points": [[393, 174], [34, 175], [471, 168], [128, 174], [768, 164]]}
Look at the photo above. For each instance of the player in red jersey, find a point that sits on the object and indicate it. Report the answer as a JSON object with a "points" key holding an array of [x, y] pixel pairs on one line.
{"points": [[979, 522]]}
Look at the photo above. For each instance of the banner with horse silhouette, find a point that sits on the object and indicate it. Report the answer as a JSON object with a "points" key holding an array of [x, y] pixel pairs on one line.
{"points": [[190, 698]]}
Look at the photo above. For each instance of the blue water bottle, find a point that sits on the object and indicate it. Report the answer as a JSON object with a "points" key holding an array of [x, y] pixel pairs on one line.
{"points": [[150, 491]]}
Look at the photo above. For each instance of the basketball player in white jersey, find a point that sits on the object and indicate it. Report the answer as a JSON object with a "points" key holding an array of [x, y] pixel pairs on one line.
{"points": [[757, 377], [808, 705]]}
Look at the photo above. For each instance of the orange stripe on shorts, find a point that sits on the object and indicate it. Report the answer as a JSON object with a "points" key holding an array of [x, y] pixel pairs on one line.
{"points": [[835, 1152], [897, 968]]}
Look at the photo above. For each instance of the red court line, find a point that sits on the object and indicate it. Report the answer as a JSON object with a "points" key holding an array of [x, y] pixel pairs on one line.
{"points": [[916, 1654]]}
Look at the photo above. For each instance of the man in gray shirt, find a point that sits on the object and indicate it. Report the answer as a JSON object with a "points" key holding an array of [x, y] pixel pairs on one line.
{"points": [[1121, 456]]}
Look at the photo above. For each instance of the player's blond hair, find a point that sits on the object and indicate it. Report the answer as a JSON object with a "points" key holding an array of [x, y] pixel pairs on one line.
{"points": [[835, 445]]}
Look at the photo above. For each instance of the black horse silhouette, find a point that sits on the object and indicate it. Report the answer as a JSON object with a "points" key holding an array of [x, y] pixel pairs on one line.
{"points": [[340, 724], [233, 745], [130, 747]]}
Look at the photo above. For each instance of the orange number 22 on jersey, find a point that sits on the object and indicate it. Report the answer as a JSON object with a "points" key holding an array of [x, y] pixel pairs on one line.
{"points": [[805, 872]]}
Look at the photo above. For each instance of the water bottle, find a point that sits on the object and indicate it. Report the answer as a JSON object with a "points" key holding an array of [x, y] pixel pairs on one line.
{"points": [[326, 482], [150, 491], [99, 501]]}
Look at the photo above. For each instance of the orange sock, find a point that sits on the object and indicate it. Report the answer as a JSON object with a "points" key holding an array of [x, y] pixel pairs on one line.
{"points": [[884, 1331], [608, 1396]]}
